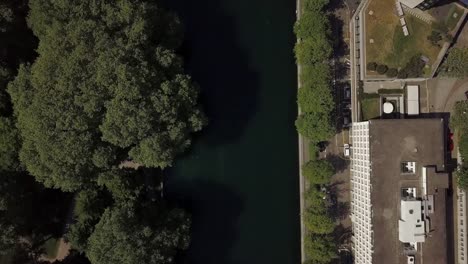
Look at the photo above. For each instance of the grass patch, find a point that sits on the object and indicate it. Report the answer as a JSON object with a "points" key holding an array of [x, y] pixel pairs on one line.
{"points": [[390, 46], [51, 248], [451, 21], [370, 108]]}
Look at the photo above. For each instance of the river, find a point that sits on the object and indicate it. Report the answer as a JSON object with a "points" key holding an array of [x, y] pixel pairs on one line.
{"points": [[240, 178]]}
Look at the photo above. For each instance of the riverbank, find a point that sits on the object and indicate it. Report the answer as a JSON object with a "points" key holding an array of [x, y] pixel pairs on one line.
{"points": [[302, 148]]}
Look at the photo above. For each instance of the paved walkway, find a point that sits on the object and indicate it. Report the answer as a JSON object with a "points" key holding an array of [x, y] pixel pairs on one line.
{"points": [[302, 150]]}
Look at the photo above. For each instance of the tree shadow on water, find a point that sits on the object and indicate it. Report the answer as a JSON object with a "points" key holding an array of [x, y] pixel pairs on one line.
{"points": [[215, 210], [221, 67]]}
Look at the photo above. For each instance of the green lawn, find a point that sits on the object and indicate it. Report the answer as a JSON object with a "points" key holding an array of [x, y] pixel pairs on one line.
{"points": [[370, 108], [390, 46], [405, 47], [51, 247], [451, 21]]}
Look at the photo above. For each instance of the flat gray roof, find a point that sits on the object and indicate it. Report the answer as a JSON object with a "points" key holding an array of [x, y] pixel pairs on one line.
{"points": [[393, 141]]}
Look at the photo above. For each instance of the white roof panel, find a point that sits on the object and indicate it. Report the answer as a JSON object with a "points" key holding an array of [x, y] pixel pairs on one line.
{"points": [[412, 97], [411, 226]]}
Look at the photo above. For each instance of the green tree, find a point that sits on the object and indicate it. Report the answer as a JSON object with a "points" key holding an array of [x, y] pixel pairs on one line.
{"points": [[320, 249], [318, 171], [313, 50], [371, 66], [315, 126], [382, 69], [122, 237], [121, 184], [317, 74], [317, 99], [315, 200], [311, 24], [463, 145], [89, 207], [107, 84], [318, 223], [314, 5], [434, 38], [392, 72], [415, 67]]}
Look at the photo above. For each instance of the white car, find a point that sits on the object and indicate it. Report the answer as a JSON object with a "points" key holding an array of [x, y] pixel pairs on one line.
{"points": [[347, 150]]}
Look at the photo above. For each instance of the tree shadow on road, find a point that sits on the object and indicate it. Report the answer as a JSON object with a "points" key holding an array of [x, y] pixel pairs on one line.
{"points": [[339, 163]]}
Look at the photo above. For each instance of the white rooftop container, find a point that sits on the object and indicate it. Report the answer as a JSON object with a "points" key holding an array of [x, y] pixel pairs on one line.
{"points": [[412, 98], [411, 226]]}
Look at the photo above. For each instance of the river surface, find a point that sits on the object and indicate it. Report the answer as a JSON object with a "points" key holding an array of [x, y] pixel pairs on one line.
{"points": [[240, 178]]}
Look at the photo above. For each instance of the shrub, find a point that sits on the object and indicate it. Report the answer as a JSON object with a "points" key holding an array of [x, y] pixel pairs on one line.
{"points": [[382, 69], [414, 68], [462, 178], [434, 38], [392, 72], [463, 145], [402, 74], [371, 66]]}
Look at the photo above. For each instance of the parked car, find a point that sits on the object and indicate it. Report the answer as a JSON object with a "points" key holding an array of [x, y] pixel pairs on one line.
{"points": [[347, 93], [466, 95], [346, 105], [346, 121], [347, 150]]}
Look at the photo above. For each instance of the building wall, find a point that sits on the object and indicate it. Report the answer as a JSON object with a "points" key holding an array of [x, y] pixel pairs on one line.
{"points": [[361, 206]]}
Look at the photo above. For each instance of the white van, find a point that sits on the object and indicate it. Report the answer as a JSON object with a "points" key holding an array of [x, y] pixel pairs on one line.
{"points": [[347, 150]]}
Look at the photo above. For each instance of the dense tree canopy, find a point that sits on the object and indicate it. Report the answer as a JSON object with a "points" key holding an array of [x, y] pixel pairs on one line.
{"points": [[318, 171], [106, 85], [314, 126], [121, 237], [322, 250], [315, 98], [313, 51]]}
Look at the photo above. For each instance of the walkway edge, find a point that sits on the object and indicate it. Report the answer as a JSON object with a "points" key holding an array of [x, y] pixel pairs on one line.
{"points": [[301, 148]]}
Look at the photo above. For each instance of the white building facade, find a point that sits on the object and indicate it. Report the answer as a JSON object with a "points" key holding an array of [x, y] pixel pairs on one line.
{"points": [[361, 206]]}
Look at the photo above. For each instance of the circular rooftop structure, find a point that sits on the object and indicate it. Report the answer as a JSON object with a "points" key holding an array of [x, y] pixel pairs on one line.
{"points": [[388, 108]]}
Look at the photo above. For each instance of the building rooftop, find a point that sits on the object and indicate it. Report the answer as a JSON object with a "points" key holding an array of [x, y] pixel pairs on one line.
{"points": [[411, 226], [401, 151], [411, 3]]}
